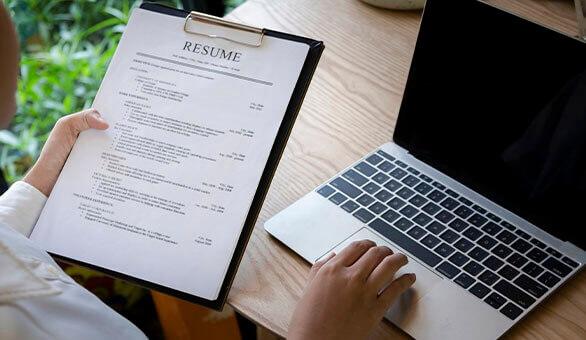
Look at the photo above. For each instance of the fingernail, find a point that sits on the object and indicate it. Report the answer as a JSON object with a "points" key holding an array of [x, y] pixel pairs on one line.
{"points": [[98, 116], [412, 276]]}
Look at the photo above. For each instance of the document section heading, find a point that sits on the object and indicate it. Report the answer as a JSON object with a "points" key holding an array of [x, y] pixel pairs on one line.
{"points": [[214, 52]]}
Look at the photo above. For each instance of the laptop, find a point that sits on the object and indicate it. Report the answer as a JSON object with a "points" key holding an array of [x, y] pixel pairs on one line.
{"points": [[483, 184]]}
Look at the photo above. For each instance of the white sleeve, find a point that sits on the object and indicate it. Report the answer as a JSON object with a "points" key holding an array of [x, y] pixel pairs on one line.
{"points": [[20, 207]]}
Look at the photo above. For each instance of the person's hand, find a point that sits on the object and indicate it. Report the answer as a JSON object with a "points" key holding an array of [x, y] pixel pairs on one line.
{"points": [[348, 294], [44, 173]]}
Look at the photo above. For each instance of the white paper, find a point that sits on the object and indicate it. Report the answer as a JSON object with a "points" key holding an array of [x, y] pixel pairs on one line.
{"points": [[163, 194]]}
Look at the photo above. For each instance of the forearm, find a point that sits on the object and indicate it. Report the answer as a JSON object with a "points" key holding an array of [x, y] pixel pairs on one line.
{"points": [[21, 206]]}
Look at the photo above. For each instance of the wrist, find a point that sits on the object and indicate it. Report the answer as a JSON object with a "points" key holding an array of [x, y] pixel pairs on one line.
{"points": [[36, 178]]}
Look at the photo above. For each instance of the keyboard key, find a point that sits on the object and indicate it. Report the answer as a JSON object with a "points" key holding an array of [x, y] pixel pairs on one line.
{"points": [[365, 169], [448, 270], [511, 311], [410, 180], [390, 216], [517, 260], [371, 188], [422, 219], [521, 246], [532, 269], [477, 220], [431, 208], [418, 200], [514, 294], [408, 211], [403, 241], [396, 203], [449, 203], [506, 237], [326, 191], [423, 188], [338, 198], [502, 251], [553, 252], [401, 164], [413, 171], [488, 277], [435, 228], [522, 234], [398, 173], [449, 236], [570, 262], [383, 195], [536, 255], [436, 196], [416, 232], [478, 254], [364, 215], [479, 290], [426, 178], [491, 228], [458, 225], [350, 206], [495, 300], [355, 177], [473, 268], [452, 193], [458, 259], [463, 211], [385, 155], [365, 200], [405, 193], [528, 284], [374, 159], [479, 209], [538, 243], [465, 201], [380, 178], [472, 233], [393, 185], [445, 216], [557, 267], [508, 272], [463, 245], [493, 217], [403, 224], [487, 242], [377, 208], [444, 250], [548, 279], [430, 241], [439, 185], [508, 225], [345, 187], [386, 166], [493, 262], [464, 280]]}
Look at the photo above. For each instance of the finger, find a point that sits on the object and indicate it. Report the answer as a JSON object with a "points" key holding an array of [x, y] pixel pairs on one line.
{"points": [[396, 288], [353, 252], [386, 270], [316, 266], [369, 261], [85, 120]]}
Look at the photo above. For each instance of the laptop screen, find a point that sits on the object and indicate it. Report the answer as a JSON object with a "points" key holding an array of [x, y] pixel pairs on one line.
{"points": [[499, 104]]}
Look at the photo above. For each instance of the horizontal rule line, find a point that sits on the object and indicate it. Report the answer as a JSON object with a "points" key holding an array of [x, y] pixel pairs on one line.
{"points": [[233, 75]]}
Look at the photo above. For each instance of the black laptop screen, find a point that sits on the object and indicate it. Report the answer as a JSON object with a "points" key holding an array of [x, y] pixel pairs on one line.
{"points": [[499, 104]]}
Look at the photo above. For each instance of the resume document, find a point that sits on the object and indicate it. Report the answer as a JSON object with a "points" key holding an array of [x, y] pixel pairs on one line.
{"points": [[162, 195]]}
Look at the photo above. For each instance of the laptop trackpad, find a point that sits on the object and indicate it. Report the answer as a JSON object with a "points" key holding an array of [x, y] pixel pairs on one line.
{"points": [[426, 279]]}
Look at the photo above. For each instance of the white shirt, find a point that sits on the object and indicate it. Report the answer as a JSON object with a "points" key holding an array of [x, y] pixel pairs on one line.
{"points": [[37, 299]]}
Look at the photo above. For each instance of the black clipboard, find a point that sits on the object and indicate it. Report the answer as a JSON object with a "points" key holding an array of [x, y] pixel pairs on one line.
{"points": [[315, 50]]}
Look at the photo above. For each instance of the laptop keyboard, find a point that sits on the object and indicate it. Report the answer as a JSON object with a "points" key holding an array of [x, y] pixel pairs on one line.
{"points": [[478, 250]]}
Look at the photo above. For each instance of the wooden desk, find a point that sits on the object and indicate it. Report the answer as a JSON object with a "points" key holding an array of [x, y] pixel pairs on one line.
{"points": [[350, 109]]}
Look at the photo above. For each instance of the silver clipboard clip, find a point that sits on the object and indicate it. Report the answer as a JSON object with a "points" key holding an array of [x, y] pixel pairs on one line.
{"points": [[212, 20]]}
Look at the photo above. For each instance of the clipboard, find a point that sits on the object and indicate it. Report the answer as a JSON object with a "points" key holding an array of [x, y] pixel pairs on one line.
{"points": [[255, 37]]}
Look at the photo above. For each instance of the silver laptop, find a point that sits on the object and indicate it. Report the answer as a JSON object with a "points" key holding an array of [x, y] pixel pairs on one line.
{"points": [[484, 183]]}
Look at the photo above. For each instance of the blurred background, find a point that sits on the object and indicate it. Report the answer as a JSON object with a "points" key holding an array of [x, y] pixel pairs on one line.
{"points": [[65, 49]]}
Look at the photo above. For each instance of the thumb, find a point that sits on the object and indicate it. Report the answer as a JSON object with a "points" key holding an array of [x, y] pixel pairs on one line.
{"points": [[86, 119]]}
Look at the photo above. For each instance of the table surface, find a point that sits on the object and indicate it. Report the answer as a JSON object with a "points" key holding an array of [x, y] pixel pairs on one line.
{"points": [[350, 109]]}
